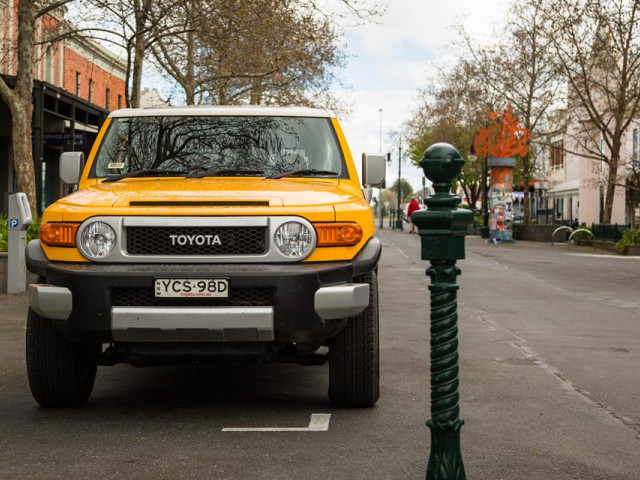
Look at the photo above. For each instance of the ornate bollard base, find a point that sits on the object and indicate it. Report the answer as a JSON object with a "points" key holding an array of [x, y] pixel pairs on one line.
{"points": [[445, 460]]}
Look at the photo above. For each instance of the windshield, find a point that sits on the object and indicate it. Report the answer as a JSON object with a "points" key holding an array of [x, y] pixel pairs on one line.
{"points": [[196, 145]]}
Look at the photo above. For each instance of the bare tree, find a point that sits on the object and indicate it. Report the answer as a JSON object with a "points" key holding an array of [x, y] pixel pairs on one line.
{"points": [[597, 47], [260, 52], [520, 69], [451, 109], [131, 26], [19, 99]]}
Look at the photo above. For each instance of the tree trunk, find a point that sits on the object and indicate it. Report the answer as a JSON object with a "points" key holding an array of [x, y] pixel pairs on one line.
{"points": [[21, 114], [139, 47], [20, 103], [127, 77], [189, 87], [136, 78], [526, 173], [256, 92], [222, 96], [612, 180]]}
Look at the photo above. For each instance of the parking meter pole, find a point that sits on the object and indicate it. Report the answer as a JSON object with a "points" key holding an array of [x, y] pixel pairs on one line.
{"points": [[19, 220], [442, 228]]}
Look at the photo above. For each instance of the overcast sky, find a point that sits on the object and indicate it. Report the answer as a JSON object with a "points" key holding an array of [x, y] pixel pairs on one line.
{"points": [[389, 62]]}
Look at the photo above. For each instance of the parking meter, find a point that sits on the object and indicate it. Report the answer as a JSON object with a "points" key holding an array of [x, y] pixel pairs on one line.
{"points": [[19, 219]]}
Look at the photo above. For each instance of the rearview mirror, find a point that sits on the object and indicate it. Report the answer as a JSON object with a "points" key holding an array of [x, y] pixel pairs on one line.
{"points": [[374, 169], [71, 165]]}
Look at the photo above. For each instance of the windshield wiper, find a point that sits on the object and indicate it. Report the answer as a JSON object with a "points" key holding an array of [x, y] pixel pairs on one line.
{"points": [[228, 172], [144, 173], [304, 171]]}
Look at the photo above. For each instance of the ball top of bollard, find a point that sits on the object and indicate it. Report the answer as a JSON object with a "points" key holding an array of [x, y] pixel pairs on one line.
{"points": [[442, 163]]}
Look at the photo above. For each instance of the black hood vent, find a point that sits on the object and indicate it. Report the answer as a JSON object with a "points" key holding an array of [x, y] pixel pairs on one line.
{"points": [[208, 203]]}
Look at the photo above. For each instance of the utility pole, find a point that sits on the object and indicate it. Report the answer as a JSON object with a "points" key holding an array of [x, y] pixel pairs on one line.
{"points": [[380, 195], [380, 149], [399, 217]]}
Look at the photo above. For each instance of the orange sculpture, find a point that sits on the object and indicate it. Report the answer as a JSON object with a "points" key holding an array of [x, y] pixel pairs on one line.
{"points": [[504, 137]]}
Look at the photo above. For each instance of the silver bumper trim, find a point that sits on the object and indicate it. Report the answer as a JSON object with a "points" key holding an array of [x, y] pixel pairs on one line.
{"points": [[49, 301], [192, 324], [341, 301]]}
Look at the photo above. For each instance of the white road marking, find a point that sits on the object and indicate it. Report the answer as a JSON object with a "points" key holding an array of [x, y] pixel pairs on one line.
{"points": [[319, 423], [595, 255]]}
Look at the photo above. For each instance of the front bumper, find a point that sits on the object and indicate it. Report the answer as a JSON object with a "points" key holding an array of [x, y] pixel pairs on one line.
{"points": [[309, 301]]}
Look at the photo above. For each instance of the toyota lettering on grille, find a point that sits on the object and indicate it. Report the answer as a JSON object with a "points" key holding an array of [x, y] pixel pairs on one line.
{"points": [[182, 240]]}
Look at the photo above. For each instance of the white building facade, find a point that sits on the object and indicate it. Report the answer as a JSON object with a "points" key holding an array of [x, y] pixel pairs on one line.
{"points": [[577, 184]]}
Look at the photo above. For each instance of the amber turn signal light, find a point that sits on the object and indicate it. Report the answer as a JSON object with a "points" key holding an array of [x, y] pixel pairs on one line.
{"points": [[59, 234], [338, 234]]}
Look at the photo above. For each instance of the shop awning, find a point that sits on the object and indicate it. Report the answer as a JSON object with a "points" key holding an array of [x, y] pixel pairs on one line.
{"points": [[566, 187]]}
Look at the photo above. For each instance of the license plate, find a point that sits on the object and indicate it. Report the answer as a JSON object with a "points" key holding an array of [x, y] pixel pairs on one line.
{"points": [[192, 287]]}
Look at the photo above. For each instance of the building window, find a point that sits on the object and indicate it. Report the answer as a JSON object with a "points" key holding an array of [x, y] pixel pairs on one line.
{"points": [[90, 90], [557, 155], [635, 144], [78, 84], [119, 102], [107, 94]]}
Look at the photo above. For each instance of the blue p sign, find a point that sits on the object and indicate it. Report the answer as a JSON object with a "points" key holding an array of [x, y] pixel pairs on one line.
{"points": [[13, 223]]}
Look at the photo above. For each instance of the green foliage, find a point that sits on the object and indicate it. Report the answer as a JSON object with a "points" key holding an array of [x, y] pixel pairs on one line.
{"points": [[630, 238], [4, 233], [582, 235], [389, 197], [406, 188], [33, 232]]}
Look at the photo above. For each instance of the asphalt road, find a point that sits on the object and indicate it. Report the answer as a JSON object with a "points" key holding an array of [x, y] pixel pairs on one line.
{"points": [[550, 379]]}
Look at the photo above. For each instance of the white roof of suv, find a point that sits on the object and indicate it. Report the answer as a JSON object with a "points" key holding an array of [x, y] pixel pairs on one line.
{"points": [[224, 111]]}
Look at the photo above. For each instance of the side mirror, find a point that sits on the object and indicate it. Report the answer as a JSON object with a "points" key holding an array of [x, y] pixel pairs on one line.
{"points": [[71, 165], [374, 169]]}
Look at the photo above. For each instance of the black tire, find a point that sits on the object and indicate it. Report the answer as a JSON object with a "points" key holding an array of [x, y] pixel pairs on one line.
{"points": [[61, 374], [354, 356]]}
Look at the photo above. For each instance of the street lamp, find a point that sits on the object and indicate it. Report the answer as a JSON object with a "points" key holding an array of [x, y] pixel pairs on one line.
{"points": [[399, 216], [381, 186], [380, 150]]}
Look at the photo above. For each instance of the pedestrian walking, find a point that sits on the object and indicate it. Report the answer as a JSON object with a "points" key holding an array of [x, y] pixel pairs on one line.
{"points": [[413, 206]]}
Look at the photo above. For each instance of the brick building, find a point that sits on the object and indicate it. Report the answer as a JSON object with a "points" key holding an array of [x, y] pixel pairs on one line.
{"points": [[77, 83]]}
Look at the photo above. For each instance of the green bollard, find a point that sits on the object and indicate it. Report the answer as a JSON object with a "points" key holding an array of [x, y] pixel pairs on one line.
{"points": [[442, 228]]}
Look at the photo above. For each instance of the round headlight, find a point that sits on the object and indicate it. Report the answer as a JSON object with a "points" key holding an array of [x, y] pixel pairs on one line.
{"points": [[97, 240], [293, 239]]}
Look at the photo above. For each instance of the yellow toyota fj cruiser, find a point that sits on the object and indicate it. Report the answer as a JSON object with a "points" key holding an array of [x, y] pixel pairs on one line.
{"points": [[202, 233]]}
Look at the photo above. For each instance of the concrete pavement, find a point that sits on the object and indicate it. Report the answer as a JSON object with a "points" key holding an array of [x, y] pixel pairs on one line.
{"points": [[550, 350]]}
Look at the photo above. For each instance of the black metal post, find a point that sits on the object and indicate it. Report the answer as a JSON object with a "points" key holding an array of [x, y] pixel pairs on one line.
{"points": [[485, 199]]}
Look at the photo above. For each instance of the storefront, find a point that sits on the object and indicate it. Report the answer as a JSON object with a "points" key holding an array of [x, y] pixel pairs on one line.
{"points": [[61, 122]]}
